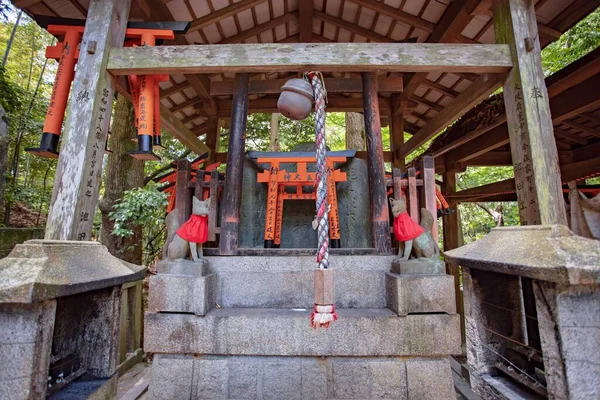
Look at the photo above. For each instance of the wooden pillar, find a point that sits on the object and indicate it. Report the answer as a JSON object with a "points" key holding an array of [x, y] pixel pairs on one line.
{"points": [[533, 148], [452, 234], [183, 199], [380, 217], [232, 192], [212, 138], [397, 137], [79, 169], [428, 196]]}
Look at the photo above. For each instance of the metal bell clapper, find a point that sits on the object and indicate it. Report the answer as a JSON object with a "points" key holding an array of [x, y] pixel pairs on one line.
{"points": [[295, 100]]}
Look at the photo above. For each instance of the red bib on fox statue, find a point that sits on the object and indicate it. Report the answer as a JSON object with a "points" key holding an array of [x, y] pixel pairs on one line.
{"points": [[405, 228], [194, 229]]}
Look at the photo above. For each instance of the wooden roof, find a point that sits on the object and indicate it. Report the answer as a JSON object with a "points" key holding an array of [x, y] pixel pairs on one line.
{"points": [[193, 98], [480, 137]]}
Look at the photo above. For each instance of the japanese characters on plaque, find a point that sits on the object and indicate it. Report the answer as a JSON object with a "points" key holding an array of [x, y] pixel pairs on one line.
{"points": [[523, 167], [95, 160]]}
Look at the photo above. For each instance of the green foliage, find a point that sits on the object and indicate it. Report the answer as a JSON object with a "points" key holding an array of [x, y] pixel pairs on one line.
{"points": [[143, 207], [574, 44]]}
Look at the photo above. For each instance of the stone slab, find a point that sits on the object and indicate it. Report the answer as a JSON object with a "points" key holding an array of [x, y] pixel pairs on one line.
{"points": [[300, 378], [181, 293], [288, 282], [39, 270], [410, 294], [419, 374], [362, 332], [25, 346], [182, 267], [419, 266]]}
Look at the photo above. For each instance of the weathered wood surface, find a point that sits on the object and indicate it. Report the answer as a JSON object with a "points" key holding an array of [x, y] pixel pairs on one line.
{"points": [[212, 139], [232, 192], [533, 146], [397, 138], [413, 203], [334, 85], [325, 57], [380, 217], [79, 169], [428, 197], [478, 91], [183, 200]]}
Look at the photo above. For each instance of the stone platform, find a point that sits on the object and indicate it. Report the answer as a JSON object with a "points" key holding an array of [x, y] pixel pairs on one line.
{"points": [[239, 327]]}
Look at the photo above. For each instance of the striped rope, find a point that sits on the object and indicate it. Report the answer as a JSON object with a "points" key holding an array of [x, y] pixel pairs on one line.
{"points": [[322, 210]]}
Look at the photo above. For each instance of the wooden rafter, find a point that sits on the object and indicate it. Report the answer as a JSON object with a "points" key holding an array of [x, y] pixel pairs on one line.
{"points": [[349, 26], [448, 30], [258, 29], [223, 13], [478, 91]]}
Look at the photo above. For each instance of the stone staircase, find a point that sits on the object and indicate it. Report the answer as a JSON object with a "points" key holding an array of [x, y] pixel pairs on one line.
{"points": [[239, 327]]}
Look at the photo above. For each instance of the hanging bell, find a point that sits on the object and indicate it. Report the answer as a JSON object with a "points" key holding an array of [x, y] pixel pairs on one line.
{"points": [[295, 100]]}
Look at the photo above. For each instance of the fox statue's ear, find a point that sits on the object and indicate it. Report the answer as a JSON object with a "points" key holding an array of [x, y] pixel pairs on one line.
{"points": [[207, 201], [391, 201]]}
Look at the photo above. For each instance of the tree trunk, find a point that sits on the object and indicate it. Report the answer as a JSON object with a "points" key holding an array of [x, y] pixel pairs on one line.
{"points": [[123, 172], [355, 131], [4, 139], [274, 144]]}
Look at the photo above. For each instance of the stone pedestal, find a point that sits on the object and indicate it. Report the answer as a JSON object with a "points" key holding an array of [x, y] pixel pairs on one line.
{"points": [[259, 342], [539, 286], [419, 266], [60, 307]]}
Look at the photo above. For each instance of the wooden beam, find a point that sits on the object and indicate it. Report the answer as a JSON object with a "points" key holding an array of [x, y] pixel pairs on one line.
{"points": [[218, 15], [23, 4], [212, 138], [579, 170], [334, 104], [306, 11], [325, 57], [440, 88], [587, 129], [193, 102], [575, 100], [334, 85], [507, 185], [467, 137], [569, 136], [478, 91], [493, 139], [532, 142], [201, 85], [397, 137], [179, 131], [258, 29], [174, 89], [79, 168]]}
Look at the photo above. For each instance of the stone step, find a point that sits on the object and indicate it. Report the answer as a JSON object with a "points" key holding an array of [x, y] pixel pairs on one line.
{"points": [[287, 282], [287, 332], [300, 378]]}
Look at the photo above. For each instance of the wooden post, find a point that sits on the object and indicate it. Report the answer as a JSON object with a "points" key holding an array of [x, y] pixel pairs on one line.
{"points": [[428, 197], [380, 217], [79, 169], [397, 136], [533, 148], [413, 202], [451, 241], [232, 192], [212, 139], [183, 200]]}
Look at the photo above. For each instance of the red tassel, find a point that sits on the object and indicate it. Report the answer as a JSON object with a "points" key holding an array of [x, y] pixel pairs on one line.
{"points": [[322, 316]]}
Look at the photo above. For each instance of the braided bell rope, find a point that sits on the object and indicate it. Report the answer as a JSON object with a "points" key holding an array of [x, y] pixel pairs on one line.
{"points": [[322, 210]]}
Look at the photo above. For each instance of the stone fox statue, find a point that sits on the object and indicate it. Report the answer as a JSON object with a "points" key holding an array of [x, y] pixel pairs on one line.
{"points": [[584, 213], [188, 238], [422, 244]]}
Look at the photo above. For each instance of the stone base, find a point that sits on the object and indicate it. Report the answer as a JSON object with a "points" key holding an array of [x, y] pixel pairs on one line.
{"points": [[258, 331], [418, 294], [182, 286], [295, 378], [419, 266]]}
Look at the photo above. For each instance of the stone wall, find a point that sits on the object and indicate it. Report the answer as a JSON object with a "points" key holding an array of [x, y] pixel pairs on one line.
{"points": [[9, 237]]}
